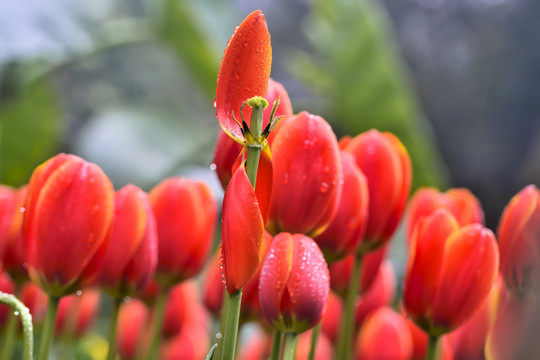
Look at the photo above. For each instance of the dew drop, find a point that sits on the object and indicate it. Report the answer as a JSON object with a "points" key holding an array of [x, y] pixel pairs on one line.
{"points": [[324, 187], [218, 336], [214, 103], [22, 209], [16, 313], [285, 178], [213, 167], [78, 293]]}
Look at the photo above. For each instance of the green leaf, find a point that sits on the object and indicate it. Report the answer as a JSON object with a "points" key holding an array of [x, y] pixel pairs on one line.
{"points": [[29, 126]]}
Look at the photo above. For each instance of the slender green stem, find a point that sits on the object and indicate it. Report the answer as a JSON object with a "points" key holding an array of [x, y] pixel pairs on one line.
{"points": [[314, 339], [159, 312], [22, 311], [222, 319], [345, 340], [431, 353], [277, 345], [254, 152], [290, 346], [230, 332], [47, 333], [112, 329], [10, 330]]}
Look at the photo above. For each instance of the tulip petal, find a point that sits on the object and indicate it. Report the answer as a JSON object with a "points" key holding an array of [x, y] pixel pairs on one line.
{"points": [[243, 232], [244, 72]]}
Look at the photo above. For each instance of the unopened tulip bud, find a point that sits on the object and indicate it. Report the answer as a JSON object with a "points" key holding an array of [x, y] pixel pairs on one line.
{"points": [[76, 313], [14, 251]]}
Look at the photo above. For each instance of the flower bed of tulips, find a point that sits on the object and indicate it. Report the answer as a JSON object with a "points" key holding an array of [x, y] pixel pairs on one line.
{"points": [[306, 223]]}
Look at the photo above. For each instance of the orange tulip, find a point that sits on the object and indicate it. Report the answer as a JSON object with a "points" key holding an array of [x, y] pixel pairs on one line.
{"points": [[185, 213], [307, 175], [384, 335], [244, 72], [450, 272], [242, 232], [385, 163], [67, 218], [294, 283], [461, 203], [14, 251], [349, 222], [519, 241]]}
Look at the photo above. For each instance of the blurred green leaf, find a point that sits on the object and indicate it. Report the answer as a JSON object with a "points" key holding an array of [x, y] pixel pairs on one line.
{"points": [[356, 68], [179, 28], [29, 125]]}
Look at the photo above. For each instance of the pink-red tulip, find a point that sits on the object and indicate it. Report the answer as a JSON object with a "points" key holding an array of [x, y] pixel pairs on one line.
{"points": [[257, 347], [294, 283], [242, 232], [331, 321], [76, 313], [132, 335], [323, 350], [185, 213], [131, 256], [450, 272], [307, 175], [14, 251], [384, 161], [67, 218], [244, 72], [349, 222], [461, 203], [384, 335], [519, 241]]}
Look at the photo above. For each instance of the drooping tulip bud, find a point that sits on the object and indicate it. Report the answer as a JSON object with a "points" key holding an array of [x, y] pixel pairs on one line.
{"points": [[14, 251], [185, 213], [461, 203], [384, 335], [307, 175], [131, 255], [349, 222], [450, 272], [294, 283], [132, 335], [242, 233], [244, 72], [519, 234], [67, 218], [384, 161], [76, 313]]}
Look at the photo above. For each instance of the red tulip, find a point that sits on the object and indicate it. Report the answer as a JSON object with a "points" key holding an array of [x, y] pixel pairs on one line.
{"points": [[244, 72], [385, 163], [331, 321], [294, 283], [450, 272], [307, 175], [519, 234], [181, 304], [131, 338], [68, 214], [227, 150], [257, 347], [14, 251], [419, 339], [131, 256], [35, 300], [76, 313], [185, 214], [384, 335], [323, 350], [242, 232], [460, 202], [349, 223], [7, 211], [6, 286]]}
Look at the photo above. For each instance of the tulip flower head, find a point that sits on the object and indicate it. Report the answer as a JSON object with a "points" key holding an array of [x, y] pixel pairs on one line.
{"points": [[14, 251], [450, 272], [7, 211], [76, 313], [68, 214], [519, 241], [294, 283]]}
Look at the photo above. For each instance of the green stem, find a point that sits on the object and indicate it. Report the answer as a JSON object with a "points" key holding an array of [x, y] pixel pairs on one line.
{"points": [[314, 338], [230, 332], [277, 345], [112, 329], [254, 152], [431, 353], [26, 320], [10, 330], [159, 313], [290, 346], [47, 333], [345, 340], [222, 319]]}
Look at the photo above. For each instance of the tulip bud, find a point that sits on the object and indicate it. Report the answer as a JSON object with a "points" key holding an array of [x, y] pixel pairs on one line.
{"points": [[519, 233], [68, 214], [185, 213], [131, 256], [307, 175], [294, 283], [7, 211], [450, 272], [323, 350], [331, 321], [76, 313], [349, 223], [131, 338], [257, 347], [460, 202], [14, 251], [384, 161], [384, 335]]}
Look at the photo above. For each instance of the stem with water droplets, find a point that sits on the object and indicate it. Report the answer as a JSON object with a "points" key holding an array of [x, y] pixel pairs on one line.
{"points": [[26, 319]]}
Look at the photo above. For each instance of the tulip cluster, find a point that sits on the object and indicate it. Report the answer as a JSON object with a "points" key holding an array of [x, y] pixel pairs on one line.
{"points": [[307, 221]]}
